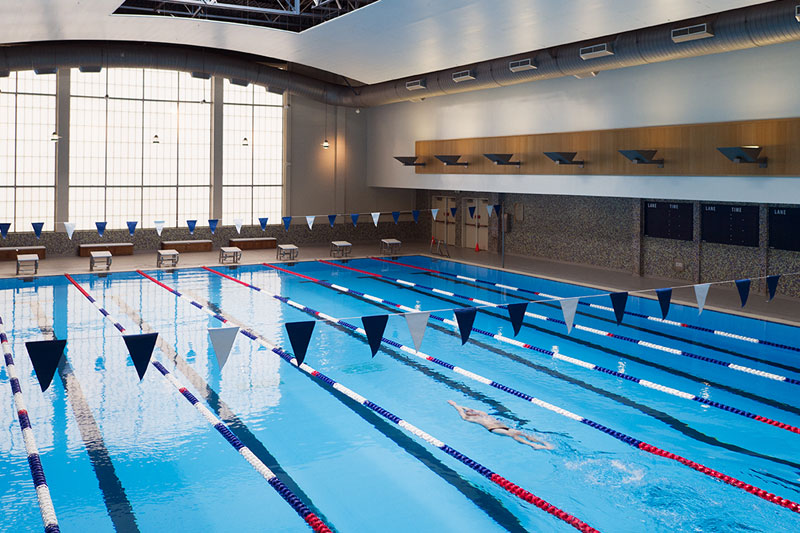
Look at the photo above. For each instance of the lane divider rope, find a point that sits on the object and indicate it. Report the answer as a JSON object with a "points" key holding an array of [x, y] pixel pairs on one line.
{"points": [[555, 355], [660, 320], [646, 344], [46, 507], [286, 494], [636, 443], [407, 426]]}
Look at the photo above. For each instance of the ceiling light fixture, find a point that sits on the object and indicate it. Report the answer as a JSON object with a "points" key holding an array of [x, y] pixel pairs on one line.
{"points": [[245, 142], [54, 137]]}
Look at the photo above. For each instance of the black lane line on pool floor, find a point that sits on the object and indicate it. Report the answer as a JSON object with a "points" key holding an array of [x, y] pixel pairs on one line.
{"points": [[118, 506], [631, 326], [661, 416], [485, 501], [673, 371], [223, 410]]}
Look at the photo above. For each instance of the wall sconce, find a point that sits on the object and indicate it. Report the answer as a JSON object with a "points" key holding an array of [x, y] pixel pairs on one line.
{"points": [[501, 159], [564, 158], [409, 161], [643, 157], [245, 142], [744, 154], [451, 160], [155, 139]]}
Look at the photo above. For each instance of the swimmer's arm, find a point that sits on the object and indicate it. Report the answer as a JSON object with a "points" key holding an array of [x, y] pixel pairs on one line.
{"points": [[458, 408]]}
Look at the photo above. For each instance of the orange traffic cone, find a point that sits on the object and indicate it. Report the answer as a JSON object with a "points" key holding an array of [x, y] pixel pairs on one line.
{"points": [[477, 248]]}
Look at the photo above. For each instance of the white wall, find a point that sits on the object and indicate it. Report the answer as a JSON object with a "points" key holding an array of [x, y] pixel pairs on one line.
{"points": [[758, 83]]}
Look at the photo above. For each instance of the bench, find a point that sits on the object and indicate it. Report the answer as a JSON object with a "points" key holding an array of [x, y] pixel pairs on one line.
{"points": [[27, 261], [200, 245], [254, 243], [340, 248], [230, 254], [167, 258], [99, 257], [390, 246], [287, 251], [116, 248], [10, 253]]}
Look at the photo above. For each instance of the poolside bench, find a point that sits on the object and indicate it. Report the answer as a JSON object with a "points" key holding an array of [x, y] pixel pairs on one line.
{"points": [[101, 257], [340, 248], [254, 243], [287, 251], [390, 246], [26, 262], [167, 258], [10, 253], [116, 248], [229, 254], [199, 245]]}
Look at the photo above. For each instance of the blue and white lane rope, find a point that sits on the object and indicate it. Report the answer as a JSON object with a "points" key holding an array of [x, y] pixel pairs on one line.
{"points": [[299, 507], [417, 432], [46, 508], [646, 344], [636, 443], [555, 355], [660, 320]]}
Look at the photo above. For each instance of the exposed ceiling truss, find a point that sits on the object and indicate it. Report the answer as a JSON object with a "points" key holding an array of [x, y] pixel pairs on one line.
{"points": [[290, 15]]}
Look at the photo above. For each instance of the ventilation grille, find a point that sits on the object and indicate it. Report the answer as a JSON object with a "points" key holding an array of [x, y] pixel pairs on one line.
{"points": [[521, 65], [463, 75], [416, 85], [691, 33], [597, 50]]}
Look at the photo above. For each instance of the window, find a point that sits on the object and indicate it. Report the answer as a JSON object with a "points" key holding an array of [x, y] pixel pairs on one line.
{"points": [[252, 154], [27, 152], [140, 147]]}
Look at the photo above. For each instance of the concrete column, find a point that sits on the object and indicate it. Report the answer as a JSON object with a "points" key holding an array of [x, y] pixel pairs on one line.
{"points": [[62, 148], [340, 165], [637, 231], [698, 275], [286, 207], [763, 247], [216, 146]]}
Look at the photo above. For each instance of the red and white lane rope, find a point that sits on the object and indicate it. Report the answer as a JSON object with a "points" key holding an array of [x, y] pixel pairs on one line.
{"points": [[299, 507], [555, 355], [660, 320], [407, 426], [46, 508], [646, 344], [636, 443]]}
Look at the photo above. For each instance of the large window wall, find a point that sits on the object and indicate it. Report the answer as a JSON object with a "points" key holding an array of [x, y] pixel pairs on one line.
{"points": [[27, 151], [140, 147]]}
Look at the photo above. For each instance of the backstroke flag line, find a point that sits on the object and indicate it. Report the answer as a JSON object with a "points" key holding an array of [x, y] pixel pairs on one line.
{"points": [[568, 308], [222, 340], [417, 323], [701, 292]]}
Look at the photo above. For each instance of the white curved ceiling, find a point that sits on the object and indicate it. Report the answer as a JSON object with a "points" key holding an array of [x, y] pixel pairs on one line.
{"points": [[386, 40]]}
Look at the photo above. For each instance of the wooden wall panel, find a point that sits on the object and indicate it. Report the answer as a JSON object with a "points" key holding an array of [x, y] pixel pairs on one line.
{"points": [[687, 150]]}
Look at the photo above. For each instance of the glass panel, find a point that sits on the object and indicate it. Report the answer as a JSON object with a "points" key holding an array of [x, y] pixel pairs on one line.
{"points": [[236, 94], [267, 145], [87, 143], [30, 82], [124, 145], [159, 203], [194, 203], [35, 204], [125, 82], [194, 152], [160, 85], [261, 96], [267, 203], [237, 163], [7, 206], [123, 204], [161, 158], [193, 89], [237, 203], [88, 83], [36, 122], [86, 206], [7, 121], [8, 84]]}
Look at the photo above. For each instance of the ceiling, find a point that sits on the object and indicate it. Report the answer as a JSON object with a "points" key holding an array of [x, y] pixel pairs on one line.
{"points": [[385, 40]]}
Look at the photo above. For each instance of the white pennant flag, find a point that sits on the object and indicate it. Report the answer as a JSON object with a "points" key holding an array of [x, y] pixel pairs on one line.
{"points": [[489, 209], [159, 224], [434, 212], [701, 292], [375, 217], [417, 322], [70, 227], [310, 220], [238, 223], [222, 340], [568, 307]]}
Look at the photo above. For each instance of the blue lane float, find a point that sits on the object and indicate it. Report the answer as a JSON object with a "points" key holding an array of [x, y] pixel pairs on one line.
{"points": [[46, 508], [417, 432]]}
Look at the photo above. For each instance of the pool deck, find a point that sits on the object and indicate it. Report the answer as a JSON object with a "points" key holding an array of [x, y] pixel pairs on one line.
{"points": [[782, 309]]}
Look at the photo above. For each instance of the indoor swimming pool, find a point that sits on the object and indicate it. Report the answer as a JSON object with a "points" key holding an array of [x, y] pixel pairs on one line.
{"points": [[129, 455]]}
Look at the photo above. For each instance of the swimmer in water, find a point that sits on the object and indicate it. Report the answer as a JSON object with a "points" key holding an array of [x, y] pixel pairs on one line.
{"points": [[499, 428]]}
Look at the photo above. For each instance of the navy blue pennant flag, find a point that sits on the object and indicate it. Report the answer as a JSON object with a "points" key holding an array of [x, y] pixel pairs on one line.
{"points": [[453, 211], [465, 317], [101, 227], [664, 297], [618, 301], [332, 219], [286, 222], [354, 218], [471, 211], [4, 227], [516, 312], [374, 326], [497, 208], [140, 347], [299, 336], [45, 356], [396, 216], [131, 226], [743, 286], [415, 214], [263, 221], [212, 224], [192, 224], [772, 285], [37, 228]]}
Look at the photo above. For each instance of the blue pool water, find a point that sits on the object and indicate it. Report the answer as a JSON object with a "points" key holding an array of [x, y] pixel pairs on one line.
{"points": [[136, 456]]}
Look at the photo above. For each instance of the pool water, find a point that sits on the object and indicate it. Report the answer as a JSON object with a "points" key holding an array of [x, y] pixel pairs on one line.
{"points": [[125, 455]]}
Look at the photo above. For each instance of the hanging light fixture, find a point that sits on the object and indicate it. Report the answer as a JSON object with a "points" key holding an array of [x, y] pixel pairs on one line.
{"points": [[54, 137], [325, 143], [245, 142], [155, 139]]}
